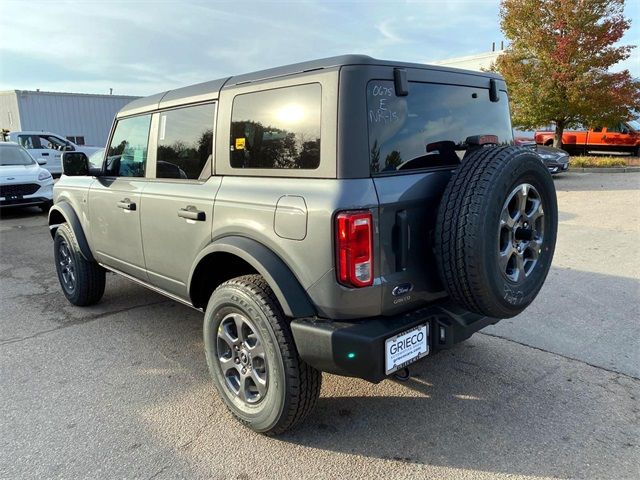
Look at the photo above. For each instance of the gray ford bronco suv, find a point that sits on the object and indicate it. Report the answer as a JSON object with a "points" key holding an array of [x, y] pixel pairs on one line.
{"points": [[346, 215]]}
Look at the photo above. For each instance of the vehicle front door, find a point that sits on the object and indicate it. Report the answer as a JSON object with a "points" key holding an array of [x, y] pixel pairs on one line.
{"points": [[114, 199], [178, 201], [37, 148]]}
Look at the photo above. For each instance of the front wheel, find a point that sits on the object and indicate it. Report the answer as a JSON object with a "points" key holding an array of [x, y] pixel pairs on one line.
{"points": [[253, 359], [82, 280]]}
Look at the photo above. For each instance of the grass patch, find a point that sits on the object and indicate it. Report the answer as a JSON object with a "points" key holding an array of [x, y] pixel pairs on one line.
{"points": [[596, 162]]}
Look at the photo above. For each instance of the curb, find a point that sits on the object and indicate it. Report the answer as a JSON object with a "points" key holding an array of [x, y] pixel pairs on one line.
{"points": [[604, 169]]}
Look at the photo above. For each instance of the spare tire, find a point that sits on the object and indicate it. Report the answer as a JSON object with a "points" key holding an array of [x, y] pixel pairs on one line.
{"points": [[496, 230]]}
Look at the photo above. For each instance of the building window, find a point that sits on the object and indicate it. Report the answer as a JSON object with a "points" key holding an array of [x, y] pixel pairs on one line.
{"points": [[277, 129]]}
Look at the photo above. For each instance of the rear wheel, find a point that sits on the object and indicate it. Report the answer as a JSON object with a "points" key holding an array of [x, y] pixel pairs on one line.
{"points": [[496, 231], [253, 359], [82, 280]]}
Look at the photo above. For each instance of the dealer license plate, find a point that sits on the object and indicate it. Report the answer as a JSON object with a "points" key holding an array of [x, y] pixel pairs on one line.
{"points": [[406, 348]]}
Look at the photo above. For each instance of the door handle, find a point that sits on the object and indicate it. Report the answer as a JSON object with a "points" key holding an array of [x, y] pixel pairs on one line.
{"points": [[402, 240], [44, 154], [126, 204], [191, 213]]}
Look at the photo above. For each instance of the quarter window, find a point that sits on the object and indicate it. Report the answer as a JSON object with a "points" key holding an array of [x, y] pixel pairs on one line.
{"points": [[185, 142], [127, 154], [78, 140], [277, 129]]}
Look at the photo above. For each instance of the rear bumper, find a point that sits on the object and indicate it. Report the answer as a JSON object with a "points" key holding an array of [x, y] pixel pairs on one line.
{"points": [[357, 348]]}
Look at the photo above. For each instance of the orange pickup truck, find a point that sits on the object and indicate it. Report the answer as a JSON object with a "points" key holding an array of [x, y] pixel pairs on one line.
{"points": [[624, 137]]}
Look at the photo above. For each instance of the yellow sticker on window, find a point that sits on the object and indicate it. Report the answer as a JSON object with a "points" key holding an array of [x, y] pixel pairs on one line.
{"points": [[240, 143]]}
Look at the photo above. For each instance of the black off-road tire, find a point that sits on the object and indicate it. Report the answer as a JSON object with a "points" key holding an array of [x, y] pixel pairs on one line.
{"points": [[469, 233], [293, 386], [88, 283]]}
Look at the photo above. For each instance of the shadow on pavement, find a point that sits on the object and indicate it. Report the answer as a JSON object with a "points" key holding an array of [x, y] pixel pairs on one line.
{"points": [[21, 212]]}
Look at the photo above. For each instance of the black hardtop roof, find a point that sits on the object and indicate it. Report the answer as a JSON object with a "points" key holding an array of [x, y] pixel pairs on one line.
{"points": [[210, 90]]}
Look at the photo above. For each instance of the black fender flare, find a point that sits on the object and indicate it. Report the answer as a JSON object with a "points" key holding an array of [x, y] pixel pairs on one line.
{"points": [[293, 298], [71, 218]]}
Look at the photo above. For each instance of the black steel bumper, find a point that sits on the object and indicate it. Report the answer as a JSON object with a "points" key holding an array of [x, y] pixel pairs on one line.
{"points": [[357, 348]]}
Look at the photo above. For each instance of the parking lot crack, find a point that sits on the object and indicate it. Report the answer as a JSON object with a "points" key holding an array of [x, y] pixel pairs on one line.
{"points": [[74, 323], [567, 357]]}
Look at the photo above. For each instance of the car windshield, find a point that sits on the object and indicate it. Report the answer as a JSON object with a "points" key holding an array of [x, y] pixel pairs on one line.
{"points": [[432, 126], [15, 156]]}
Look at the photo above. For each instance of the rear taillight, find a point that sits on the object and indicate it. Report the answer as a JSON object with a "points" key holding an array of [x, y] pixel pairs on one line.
{"points": [[354, 245]]}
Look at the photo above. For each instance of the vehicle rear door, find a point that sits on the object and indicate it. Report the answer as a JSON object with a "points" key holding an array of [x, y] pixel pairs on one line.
{"points": [[618, 137], [415, 142], [114, 199], [177, 216]]}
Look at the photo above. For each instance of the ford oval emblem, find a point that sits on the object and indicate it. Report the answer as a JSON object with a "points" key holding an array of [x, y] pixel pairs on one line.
{"points": [[401, 289]]}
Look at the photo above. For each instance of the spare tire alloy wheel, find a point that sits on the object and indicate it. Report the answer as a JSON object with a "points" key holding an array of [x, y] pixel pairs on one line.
{"points": [[521, 232], [496, 230]]}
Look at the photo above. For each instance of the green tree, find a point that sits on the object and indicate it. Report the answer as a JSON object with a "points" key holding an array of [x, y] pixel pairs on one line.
{"points": [[393, 160], [375, 157], [557, 63]]}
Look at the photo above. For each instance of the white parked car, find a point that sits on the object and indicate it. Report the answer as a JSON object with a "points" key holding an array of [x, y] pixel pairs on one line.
{"points": [[48, 147], [23, 181]]}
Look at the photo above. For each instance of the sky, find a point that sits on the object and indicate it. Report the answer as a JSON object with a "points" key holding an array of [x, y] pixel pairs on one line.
{"points": [[139, 47]]}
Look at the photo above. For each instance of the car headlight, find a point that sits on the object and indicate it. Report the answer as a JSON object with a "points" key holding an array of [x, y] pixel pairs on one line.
{"points": [[546, 156], [44, 175]]}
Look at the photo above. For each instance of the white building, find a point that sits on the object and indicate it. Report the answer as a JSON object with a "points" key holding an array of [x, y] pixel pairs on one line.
{"points": [[478, 62], [85, 119]]}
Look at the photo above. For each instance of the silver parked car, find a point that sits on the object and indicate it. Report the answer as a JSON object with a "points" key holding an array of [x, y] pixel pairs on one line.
{"points": [[23, 182]]}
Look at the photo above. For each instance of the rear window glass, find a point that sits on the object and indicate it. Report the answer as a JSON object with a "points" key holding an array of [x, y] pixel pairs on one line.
{"points": [[277, 129], [430, 126]]}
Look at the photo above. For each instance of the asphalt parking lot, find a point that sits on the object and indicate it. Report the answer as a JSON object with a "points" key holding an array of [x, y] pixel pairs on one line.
{"points": [[121, 389]]}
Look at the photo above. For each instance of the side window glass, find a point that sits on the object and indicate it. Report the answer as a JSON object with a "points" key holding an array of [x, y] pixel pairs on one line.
{"points": [[127, 154], [29, 142], [597, 129], [52, 143], [277, 129], [185, 142]]}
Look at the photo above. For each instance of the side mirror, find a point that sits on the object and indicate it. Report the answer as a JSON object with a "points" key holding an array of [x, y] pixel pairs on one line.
{"points": [[41, 161], [68, 148], [75, 164]]}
